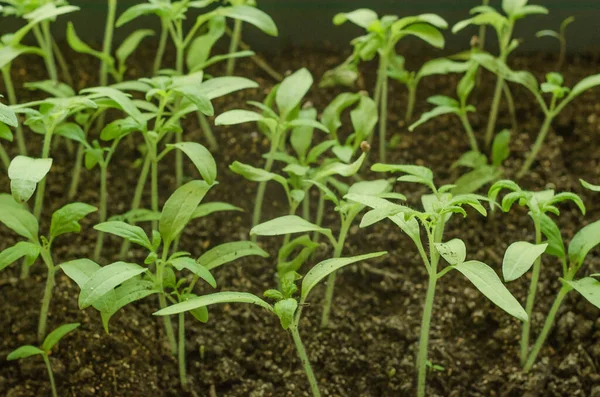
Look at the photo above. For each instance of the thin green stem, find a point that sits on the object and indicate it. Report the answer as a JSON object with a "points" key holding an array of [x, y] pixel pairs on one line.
{"points": [[49, 52], [181, 354], [162, 43], [50, 282], [306, 206], [154, 189], [76, 176], [4, 157], [207, 130], [12, 99], [261, 63], [39, 196], [535, 275], [108, 39], [469, 130], [50, 374], [383, 108], [511, 107], [410, 107], [162, 301], [547, 327], [537, 145], [312, 380], [491, 127], [234, 44], [101, 211], [62, 63]]}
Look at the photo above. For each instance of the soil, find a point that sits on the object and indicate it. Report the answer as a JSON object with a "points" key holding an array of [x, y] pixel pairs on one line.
{"points": [[370, 349]]}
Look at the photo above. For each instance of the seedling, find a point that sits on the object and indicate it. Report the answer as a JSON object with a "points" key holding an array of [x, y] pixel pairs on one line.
{"points": [[447, 105], [287, 96], [7, 119], [49, 342], [382, 36], [411, 80], [589, 186], [561, 96], [114, 286], [14, 216], [561, 36], [437, 210], [287, 307], [538, 204], [504, 26], [347, 211]]}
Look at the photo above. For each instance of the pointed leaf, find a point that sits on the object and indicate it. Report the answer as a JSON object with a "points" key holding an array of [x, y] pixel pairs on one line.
{"points": [[519, 258], [291, 91], [24, 174], [589, 288], [251, 15], [202, 159], [132, 233], [211, 299], [105, 280], [24, 352], [229, 252], [55, 336], [185, 262], [454, 251], [585, 239], [21, 249], [287, 224], [66, 219]]}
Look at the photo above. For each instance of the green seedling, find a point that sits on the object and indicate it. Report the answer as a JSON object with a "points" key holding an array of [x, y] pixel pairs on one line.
{"points": [[382, 36], [482, 171], [561, 36], [347, 211], [437, 210], [589, 186], [275, 123], [446, 105], [560, 96], [440, 66], [504, 26], [39, 14], [7, 119], [64, 220], [111, 287], [49, 342], [287, 307], [538, 204]]}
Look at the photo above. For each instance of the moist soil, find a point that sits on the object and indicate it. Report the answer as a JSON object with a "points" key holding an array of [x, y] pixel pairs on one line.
{"points": [[370, 348]]}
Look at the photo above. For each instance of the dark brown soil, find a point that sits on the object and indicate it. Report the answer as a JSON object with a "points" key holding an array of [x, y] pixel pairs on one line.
{"points": [[370, 349]]}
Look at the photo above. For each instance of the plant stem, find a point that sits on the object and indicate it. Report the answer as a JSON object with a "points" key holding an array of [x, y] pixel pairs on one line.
{"points": [[547, 327], [233, 45], [12, 98], [314, 386], [48, 49], [108, 38], [207, 130], [511, 107], [537, 145], [469, 130], [346, 222], [178, 135], [383, 105], [563, 53], [410, 107], [75, 178], [62, 63], [181, 355], [257, 59], [39, 196], [50, 374], [137, 198], [154, 187], [306, 206], [162, 301], [535, 275], [101, 212], [4, 157], [47, 293], [162, 43], [491, 127]]}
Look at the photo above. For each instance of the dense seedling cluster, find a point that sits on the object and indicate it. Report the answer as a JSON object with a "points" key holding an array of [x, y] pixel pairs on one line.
{"points": [[318, 157]]}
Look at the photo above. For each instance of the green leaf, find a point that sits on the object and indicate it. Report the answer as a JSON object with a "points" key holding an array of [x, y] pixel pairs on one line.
{"points": [[237, 116], [11, 52], [341, 169], [80, 270], [301, 135], [326, 267], [530, 10], [54, 88], [211, 299], [5, 133], [71, 131], [55, 336], [519, 258], [200, 48], [500, 148], [454, 251], [66, 219], [195, 95], [24, 174], [129, 45], [585, 239], [442, 66], [202, 159], [583, 85], [79, 46], [362, 17], [221, 86], [291, 91], [512, 6], [123, 100], [487, 281], [285, 310], [159, 8], [589, 186], [178, 209], [432, 114], [185, 262], [332, 115], [209, 208], [287, 224], [21, 249], [252, 15], [20, 221], [364, 118], [130, 291], [24, 352], [105, 280], [119, 129], [588, 287], [201, 313], [500, 68], [427, 33], [132, 233], [229, 252], [255, 174], [556, 247], [7, 116]]}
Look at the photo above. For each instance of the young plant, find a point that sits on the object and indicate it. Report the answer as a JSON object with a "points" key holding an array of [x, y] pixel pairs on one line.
{"points": [[382, 36], [411, 80], [14, 216], [287, 97], [49, 342], [438, 207], [446, 105], [288, 306], [111, 287], [7, 119], [538, 204], [589, 186], [560, 96], [561, 36], [503, 25]]}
